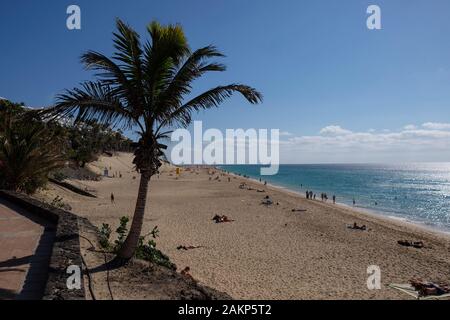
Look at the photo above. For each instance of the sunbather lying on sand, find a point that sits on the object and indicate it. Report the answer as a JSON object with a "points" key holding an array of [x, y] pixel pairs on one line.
{"points": [[429, 288], [267, 201], [189, 247], [299, 210], [355, 226], [409, 243], [221, 219]]}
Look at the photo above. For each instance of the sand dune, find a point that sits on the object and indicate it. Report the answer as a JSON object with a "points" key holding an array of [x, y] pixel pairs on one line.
{"points": [[267, 252]]}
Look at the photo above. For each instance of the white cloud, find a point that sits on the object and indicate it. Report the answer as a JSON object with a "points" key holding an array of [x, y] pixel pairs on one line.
{"points": [[334, 131], [410, 127], [336, 144], [285, 134], [436, 126]]}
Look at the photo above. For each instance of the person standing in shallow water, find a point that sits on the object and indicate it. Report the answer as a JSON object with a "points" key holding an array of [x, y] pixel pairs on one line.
{"points": [[334, 199]]}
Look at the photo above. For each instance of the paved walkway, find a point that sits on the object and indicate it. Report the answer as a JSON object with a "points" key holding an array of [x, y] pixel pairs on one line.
{"points": [[25, 248]]}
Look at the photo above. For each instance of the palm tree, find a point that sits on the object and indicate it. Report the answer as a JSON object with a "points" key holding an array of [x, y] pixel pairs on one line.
{"points": [[29, 150], [143, 86]]}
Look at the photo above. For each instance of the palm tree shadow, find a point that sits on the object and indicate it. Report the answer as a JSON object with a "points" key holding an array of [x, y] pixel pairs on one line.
{"points": [[14, 262], [113, 264]]}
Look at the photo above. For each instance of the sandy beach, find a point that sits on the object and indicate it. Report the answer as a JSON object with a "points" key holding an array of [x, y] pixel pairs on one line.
{"points": [[268, 252]]}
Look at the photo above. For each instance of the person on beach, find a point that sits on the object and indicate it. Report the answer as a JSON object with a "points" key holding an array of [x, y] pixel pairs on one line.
{"points": [[307, 194], [334, 199], [354, 202], [112, 197], [311, 195], [314, 196]]}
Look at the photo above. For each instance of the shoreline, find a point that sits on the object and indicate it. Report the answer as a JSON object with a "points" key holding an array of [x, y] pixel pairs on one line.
{"points": [[383, 215]]}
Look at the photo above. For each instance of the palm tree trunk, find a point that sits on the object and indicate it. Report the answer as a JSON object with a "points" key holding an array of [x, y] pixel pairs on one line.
{"points": [[129, 247]]}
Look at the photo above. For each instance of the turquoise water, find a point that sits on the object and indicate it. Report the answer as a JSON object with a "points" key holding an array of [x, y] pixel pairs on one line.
{"points": [[415, 192]]}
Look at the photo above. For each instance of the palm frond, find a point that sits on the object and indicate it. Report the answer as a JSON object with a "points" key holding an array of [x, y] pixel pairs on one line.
{"points": [[28, 152], [209, 99], [194, 67], [110, 74], [129, 50], [162, 55], [94, 102]]}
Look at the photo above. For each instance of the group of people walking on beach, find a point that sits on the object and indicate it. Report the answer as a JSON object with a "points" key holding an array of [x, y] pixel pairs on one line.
{"points": [[324, 197], [312, 196]]}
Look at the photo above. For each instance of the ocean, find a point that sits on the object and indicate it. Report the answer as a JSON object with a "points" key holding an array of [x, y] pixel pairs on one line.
{"points": [[415, 192]]}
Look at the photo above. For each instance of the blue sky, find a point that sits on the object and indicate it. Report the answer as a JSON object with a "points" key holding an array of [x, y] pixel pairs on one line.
{"points": [[326, 78]]}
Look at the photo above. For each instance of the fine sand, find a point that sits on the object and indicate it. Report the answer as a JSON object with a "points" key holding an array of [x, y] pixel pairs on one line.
{"points": [[268, 252]]}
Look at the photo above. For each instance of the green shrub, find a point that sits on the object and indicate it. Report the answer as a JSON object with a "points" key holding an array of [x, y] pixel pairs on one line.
{"points": [[149, 252], [59, 203], [59, 176], [105, 235], [122, 232], [145, 250], [29, 149]]}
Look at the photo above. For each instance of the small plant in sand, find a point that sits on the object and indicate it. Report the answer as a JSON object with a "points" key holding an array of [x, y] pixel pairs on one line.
{"points": [[105, 235], [145, 250], [121, 233], [149, 252], [58, 202], [59, 176]]}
